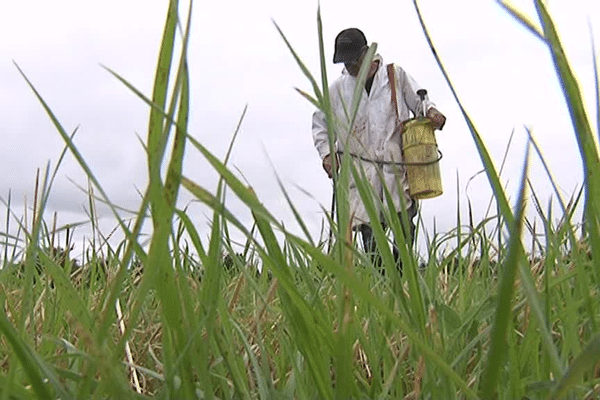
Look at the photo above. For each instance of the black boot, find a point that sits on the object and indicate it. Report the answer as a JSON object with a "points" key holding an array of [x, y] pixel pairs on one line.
{"points": [[408, 236], [370, 245]]}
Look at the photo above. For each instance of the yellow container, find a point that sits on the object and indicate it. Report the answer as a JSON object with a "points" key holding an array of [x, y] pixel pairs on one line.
{"points": [[421, 157]]}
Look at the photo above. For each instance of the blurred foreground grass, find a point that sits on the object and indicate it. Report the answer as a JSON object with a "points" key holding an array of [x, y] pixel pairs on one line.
{"points": [[192, 317]]}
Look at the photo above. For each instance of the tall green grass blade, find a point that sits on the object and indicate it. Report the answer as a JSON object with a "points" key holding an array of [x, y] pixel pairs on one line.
{"points": [[540, 317], [486, 159], [159, 94], [233, 182], [192, 231], [173, 178], [325, 108], [6, 236], [162, 198], [542, 159], [585, 361], [502, 165], [308, 97], [575, 101], [533, 28], [213, 202], [210, 298], [596, 81], [498, 342], [587, 144], [502, 202], [326, 100], [302, 66]]}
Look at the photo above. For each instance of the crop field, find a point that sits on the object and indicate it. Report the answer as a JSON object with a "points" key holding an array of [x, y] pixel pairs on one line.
{"points": [[288, 316]]}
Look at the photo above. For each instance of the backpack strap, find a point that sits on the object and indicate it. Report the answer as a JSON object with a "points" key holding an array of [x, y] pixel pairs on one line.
{"points": [[392, 77]]}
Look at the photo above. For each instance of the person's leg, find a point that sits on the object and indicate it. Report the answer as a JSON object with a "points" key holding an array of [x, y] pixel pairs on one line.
{"points": [[397, 184], [409, 234], [369, 244], [360, 216]]}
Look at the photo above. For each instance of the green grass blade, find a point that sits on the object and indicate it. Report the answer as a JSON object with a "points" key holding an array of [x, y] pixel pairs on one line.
{"points": [[583, 132], [531, 26], [160, 88], [308, 97], [322, 59], [486, 159], [213, 202], [325, 108], [192, 231], [574, 99], [585, 361], [303, 67], [597, 82], [501, 199], [234, 183], [498, 343], [173, 178]]}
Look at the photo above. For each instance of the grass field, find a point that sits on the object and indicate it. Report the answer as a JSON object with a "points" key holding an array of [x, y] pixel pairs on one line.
{"points": [[284, 316]]}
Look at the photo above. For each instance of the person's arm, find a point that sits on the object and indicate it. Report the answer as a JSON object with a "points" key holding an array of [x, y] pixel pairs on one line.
{"points": [[437, 118], [319, 131], [409, 88], [321, 140]]}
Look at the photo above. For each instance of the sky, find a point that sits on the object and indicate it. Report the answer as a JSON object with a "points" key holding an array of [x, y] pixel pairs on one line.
{"points": [[503, 76]]}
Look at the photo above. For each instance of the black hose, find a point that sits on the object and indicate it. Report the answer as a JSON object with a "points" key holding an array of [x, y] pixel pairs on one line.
{"points": [[393, 162]]}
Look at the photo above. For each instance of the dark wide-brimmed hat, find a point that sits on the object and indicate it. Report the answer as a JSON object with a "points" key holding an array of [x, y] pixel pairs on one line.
{"points": [[349, 45]]}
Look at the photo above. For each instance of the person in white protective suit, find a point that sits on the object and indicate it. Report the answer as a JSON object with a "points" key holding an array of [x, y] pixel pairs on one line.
{"points": [[374, 141]]}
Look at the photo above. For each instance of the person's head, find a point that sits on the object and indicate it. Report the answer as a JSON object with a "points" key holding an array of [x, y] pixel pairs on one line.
{"points": [[349, 45], [350, 49]]}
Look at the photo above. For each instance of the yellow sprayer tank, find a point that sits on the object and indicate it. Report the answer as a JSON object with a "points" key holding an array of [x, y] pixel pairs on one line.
{"points": [[421, 158]]}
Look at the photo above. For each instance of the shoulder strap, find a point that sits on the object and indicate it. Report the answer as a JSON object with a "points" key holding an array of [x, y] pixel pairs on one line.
{"points": [[392, 78]]}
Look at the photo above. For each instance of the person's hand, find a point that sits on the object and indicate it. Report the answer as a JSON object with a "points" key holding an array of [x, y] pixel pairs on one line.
{"points": [[437, 118], [328, 165]]}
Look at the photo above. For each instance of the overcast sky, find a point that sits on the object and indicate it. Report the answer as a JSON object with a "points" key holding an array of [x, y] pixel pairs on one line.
{"points": [[503, 75]]}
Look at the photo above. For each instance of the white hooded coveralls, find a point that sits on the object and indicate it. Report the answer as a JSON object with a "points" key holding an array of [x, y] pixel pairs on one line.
{"points": [[372, 136]]}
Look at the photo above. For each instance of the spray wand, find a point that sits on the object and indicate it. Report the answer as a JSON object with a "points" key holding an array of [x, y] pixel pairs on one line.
{"points": [[422, 94]]}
